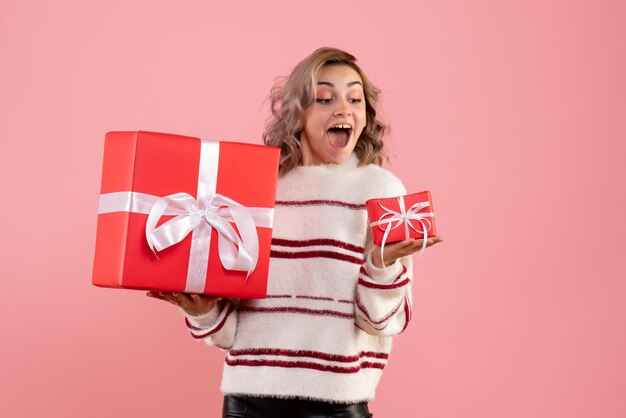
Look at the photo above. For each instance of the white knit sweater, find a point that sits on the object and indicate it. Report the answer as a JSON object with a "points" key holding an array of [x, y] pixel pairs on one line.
{"points": [[325, 330]]}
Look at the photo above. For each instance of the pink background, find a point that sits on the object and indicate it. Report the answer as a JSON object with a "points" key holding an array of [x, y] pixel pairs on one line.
{"points": [[511, 113]]}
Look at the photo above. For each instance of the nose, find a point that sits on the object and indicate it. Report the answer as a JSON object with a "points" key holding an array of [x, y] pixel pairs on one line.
{"points": [[343, 108]]}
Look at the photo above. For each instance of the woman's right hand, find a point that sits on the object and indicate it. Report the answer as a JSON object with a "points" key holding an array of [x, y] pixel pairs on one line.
{"points": [[192, 303]]}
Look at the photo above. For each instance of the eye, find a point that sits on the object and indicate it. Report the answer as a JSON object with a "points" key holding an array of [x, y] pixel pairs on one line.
{"points": [[355, 101], [324, 101]]}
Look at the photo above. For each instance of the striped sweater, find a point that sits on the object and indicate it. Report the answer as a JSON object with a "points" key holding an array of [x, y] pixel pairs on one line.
{"points": [[325, 329]]}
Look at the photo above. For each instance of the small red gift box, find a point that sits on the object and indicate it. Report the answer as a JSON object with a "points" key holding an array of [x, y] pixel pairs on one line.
{"points": [[400, 218], [205, 206]]}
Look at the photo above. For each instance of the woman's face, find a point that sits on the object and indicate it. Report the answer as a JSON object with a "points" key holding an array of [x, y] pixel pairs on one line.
{"points": [[335, 120]]}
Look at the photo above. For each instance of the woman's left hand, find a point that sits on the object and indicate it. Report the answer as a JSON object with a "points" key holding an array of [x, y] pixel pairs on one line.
{"points": [[401, 249]]}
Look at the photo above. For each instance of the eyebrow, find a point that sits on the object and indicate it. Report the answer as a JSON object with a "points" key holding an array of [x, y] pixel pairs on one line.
{"points": [[350, 84]]}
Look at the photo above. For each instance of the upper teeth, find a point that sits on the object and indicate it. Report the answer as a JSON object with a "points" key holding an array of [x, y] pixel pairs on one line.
{"points": [[342, 126]]}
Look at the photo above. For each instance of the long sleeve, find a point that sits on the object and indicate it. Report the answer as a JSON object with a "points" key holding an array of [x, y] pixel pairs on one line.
{"points": [[383, 296], [218, 326]]}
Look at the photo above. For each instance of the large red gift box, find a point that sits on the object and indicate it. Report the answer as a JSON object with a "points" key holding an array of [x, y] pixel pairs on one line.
{"points": [[400, 218], [185, 214]]}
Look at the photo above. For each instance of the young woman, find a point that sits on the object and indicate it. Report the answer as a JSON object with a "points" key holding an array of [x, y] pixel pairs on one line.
{"points": [[317, 345]]}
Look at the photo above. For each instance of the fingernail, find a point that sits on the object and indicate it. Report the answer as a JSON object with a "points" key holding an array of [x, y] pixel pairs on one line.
{"points": [[175, 294]]}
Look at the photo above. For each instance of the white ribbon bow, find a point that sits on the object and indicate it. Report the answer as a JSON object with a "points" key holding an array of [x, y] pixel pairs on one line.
{"points": [[237, 251], [404, 217]]}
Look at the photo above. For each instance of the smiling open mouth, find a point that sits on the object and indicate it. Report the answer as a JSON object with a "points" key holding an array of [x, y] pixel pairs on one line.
{"points": [[340, 135]]}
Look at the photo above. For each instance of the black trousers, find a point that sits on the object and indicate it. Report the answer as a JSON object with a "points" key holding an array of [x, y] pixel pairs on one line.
{"points": [[261, 407]]}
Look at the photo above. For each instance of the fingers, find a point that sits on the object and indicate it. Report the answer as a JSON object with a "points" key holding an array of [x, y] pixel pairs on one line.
{"points": [[413, 243], [400, 245], [429, 242], [190, 302], [417, 244], [174, 298], [410, 246], [183, 298], [156, 295]]}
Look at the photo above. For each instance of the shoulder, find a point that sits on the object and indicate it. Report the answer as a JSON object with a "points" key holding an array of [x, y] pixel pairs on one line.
{"points": [[380, 182], [347, 182]]}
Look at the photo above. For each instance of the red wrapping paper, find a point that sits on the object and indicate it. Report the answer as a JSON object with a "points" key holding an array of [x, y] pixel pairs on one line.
{"points": [[163, 164], [376, 209]]}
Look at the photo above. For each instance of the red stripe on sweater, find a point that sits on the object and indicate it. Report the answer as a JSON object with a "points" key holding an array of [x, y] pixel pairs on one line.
{"points": [[372, 325], [401, 273], [383, 286], [319, 241], [304, 365], [231, 308], [222, 304], [407, 315], [192, 327], [355, 206], [314, 297], [374, 354], [369, 318], [293, 309], [308, 297], [316, 254], [306, 353], [366, 275], [368, 364]]}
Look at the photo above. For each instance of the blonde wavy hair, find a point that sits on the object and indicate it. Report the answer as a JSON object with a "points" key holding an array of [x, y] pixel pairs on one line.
{"points": [[292, 94]]}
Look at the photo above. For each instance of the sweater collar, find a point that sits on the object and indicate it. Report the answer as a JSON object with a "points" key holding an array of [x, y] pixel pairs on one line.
{"points": [[351, 162]]}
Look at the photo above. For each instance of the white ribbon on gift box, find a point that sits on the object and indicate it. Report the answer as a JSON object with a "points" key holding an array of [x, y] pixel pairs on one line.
{"points": [[404, 217], [211, 210]]}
